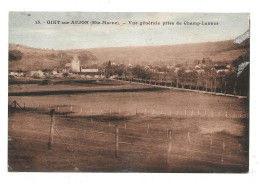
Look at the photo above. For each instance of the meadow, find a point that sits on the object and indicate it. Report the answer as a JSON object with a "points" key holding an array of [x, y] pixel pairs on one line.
{"points": [[148, 130]]}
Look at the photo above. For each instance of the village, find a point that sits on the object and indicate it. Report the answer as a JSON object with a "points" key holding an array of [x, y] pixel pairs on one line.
{"points": [[75, 69], [202, 74]]}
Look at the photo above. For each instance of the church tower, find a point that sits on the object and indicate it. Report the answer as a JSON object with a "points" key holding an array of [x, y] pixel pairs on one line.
{"points": [[75, 64]]}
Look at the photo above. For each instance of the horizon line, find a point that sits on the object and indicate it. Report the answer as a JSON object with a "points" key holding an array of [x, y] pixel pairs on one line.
{"points": [[119, 46]]}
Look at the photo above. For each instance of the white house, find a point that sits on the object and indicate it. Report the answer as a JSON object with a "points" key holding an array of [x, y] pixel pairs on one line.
{"points": [[89, 70], [38, 73]]}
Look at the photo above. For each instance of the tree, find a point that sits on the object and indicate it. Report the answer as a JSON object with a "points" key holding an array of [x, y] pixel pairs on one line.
{"points": [[119, 70], [140, 72], [15, 55]]}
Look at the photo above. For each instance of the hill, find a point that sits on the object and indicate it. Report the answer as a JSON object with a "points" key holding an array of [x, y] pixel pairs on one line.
{"points": [[170, 54], [34, 58]]}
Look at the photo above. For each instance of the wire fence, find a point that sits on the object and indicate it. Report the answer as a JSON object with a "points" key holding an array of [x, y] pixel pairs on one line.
{"points": [[180, 112], [149, 140]]}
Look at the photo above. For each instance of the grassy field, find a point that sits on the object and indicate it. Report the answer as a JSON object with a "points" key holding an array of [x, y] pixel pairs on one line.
{"points": [[209, 133]]}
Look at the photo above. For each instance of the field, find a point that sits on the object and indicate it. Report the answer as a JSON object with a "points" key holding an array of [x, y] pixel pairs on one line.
{"points": [[158, 130]]}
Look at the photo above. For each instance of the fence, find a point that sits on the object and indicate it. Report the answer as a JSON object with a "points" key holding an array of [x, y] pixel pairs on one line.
{"points": [[148, 140], [71, 110], [203, 87]]}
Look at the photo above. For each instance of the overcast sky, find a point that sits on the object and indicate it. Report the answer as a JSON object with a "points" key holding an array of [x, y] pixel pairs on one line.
{"points": [[24, 30]]}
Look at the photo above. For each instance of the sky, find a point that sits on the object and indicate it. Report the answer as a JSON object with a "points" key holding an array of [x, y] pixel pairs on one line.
{"points": [[32, 29]]}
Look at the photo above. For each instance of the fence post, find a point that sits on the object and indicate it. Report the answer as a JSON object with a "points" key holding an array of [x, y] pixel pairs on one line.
{"points": [[135, 111], [125, 125], [109, 124], [206, 85], [211, 141], [148, 127], [169, 145], [116, 141], [211, 86], [24, 105], [15, 104], [223, 147], [70, 108], [52, 111], [225, 88], [215, 85], [189, 137], [235, 89]]}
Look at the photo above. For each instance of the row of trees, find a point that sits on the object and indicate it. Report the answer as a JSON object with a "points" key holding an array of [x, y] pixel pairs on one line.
{"points": [[221, 81]]}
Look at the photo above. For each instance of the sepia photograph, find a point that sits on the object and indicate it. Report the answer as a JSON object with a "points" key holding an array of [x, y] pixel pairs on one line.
{"points": [[150, 92]]}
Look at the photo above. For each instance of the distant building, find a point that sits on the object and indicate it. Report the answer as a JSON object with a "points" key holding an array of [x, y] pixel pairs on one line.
{"points": [[37, 73], [147, 67], [188, 71], [220, 69], [170, 66], [75, 64], [16, 73], [88, 70], [54, 72]]}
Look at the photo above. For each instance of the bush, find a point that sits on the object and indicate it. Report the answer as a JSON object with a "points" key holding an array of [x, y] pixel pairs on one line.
{"points": [[15, 55]]}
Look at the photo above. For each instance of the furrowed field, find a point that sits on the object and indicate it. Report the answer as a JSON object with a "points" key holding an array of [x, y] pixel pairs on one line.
{"points": [[159, 130]]}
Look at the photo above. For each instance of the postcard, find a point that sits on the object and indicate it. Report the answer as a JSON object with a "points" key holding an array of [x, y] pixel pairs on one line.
{"points": [[128, 92]]}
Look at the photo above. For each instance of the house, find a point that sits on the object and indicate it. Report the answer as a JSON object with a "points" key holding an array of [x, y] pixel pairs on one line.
{"points": [[54, 72], [17, 73], [88, 70], [37, 73], [199, 69], [220, 69]]}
